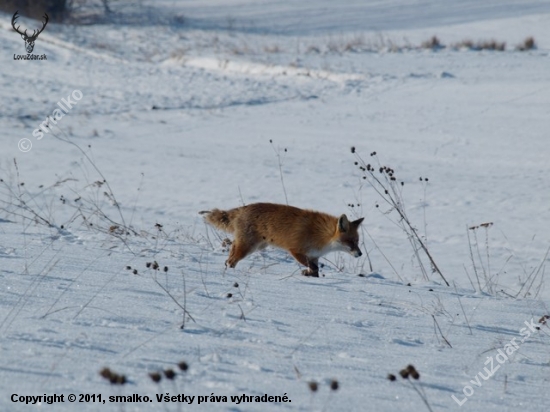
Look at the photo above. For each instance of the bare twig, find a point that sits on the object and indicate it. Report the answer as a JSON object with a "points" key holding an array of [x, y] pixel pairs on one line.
{"points": [[185, 312], [440, 332], [278, 154]]}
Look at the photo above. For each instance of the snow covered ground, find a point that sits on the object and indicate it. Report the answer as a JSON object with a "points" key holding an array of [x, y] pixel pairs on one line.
{"points": [[186, 106]]}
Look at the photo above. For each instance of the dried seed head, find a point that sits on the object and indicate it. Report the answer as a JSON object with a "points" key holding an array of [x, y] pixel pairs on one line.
{"points": [[135, 272], [106, 373], [334, 385], [155, 377], [313, 386], [170, 374], [183, 366], [352, 149], [148, 264], [166, 268], [413, 372], [391, 377], [404, 373], [128, 267], [230, 295], [235, 285]]}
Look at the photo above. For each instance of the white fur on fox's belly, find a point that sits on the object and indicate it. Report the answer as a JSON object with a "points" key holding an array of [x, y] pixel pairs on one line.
{"points": [[312, 253], [331, 247]]}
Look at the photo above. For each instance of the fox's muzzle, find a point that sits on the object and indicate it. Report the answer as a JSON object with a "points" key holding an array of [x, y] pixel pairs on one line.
{"points": [[356, 253]]}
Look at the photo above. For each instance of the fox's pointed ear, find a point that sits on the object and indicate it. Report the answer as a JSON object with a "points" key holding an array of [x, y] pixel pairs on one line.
{"points": [[357, 222], [343, 224]]}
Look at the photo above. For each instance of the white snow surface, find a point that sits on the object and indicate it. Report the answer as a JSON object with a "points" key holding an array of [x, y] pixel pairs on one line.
{"points": [[188, 106]]}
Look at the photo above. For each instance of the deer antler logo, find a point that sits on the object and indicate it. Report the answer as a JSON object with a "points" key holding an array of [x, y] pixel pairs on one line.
{"points": [[29, 40]]}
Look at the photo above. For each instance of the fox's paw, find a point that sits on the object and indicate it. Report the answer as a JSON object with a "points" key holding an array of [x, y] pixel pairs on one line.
{"points": [[310, 273]]}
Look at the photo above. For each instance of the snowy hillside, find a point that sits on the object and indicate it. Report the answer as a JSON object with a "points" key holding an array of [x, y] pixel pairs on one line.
{"points": [[179, 107]]}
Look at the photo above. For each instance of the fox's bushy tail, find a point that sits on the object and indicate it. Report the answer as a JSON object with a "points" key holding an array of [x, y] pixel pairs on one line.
{"points": [[221, 219]]}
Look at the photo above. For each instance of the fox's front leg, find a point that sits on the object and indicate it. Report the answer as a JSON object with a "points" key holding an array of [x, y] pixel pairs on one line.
{"points": [[239, 251], [312, 268], [311, 263]]}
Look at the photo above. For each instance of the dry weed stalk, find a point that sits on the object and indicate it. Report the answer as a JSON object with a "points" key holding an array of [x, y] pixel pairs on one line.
{"points": [[383, 180]]}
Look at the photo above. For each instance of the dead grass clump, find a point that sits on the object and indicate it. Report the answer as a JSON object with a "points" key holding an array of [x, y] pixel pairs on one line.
{"points": [[334, 47], [492, 45], [464, 44], [356, 44], [313, 50], [433, 43], [480, 45], [528, 44], [272, 49], [179, 53]]}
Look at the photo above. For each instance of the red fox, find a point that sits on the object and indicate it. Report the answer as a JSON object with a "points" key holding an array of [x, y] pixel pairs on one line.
{"points": [[305, 234]]}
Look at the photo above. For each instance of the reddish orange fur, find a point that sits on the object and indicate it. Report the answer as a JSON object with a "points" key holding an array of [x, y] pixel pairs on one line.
{"points": [[305, 234]]}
